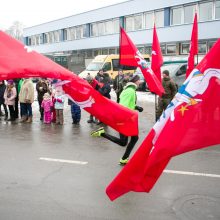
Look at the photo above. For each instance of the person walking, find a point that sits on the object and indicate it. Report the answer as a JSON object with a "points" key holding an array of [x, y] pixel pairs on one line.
{"points": [[9, 97], [116, 84], [170, 89], [127, 99], [2, 100]]}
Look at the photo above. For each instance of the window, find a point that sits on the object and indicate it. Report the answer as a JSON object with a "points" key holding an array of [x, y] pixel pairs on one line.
{"points": [[159, 18], [38, 39], [185, 48], [176, 16], [205, 11], [65, 34], [189, 12], [211, 43], [84, 31], [101, 29], [107, 66], [108, 27], [56, 36], [133, 23], [141, 50], [217, 9], [149, 20], [163, 49], [111, 51], [202, 48], [104, 51], [73, 33], [148, 50], [79, 32], [94, 30], [46, 38], [116, 26], [115, 63], [171, 49]]}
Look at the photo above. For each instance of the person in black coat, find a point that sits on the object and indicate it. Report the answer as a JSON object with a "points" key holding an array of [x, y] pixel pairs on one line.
{"points": [[2, 100]]}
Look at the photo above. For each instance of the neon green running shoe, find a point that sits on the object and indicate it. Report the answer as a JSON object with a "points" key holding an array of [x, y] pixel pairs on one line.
{"points": [[98, 132], [123, 162]]}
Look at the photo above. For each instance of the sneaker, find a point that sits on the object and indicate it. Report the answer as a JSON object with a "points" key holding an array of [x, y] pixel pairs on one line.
{"points": [[123, 162], [98, 132]]}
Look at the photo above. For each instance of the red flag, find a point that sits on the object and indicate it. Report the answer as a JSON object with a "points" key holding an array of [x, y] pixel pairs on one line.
{"points": [[157, 58], [130, 56], [193, 47], [190, 122], [19, 61]]}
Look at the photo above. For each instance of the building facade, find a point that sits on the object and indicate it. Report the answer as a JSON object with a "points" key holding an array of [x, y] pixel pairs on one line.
{"points": [[75, 39]]}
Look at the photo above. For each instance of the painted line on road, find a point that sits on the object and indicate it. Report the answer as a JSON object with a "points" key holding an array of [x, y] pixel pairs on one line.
{"points": [[63, 161], [192, 173]]}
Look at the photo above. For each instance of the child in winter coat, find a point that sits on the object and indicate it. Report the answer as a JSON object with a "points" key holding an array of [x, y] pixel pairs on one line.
{"points": [[75, 112], [46, 105], [9, 96], [59, 99]]}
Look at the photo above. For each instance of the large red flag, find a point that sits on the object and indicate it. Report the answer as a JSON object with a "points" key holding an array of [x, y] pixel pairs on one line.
{"points": [[157, 58], [19, 61], [190, 122], [130, 56], [193, 47]]}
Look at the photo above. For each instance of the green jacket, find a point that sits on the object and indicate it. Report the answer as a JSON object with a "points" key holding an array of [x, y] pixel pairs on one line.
{"points": [[128, 96]]}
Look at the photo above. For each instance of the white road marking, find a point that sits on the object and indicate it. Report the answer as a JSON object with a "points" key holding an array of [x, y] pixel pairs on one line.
{"points": [[192, 173], [63, 161]]}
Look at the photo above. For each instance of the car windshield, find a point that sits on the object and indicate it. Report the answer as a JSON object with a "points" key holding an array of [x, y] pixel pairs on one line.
{"points": [[94, 66], [170, 67]]}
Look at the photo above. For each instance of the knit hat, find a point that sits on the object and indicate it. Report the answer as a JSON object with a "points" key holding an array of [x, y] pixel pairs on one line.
{"points": [[10, 81], [166, 72], [135, 78]]}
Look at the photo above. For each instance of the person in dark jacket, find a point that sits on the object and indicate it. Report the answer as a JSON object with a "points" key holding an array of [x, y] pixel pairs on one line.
{"points": [[75, 112], [170, 91], [116, 83], [2, 100], [106, 88], [42, 88]]}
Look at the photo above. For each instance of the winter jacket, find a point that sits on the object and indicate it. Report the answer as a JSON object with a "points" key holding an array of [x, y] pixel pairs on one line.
{"points": [[10, 95], [26, 94], [41, 88], [128, 96], [59, 101], [169, 88]]}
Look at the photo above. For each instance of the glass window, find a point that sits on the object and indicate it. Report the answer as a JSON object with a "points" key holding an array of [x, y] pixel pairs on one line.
{"points": [[79, 32], [163, 49], [185, 48], [56, 36], [202, 48], [94, 31], [205, 11], [148, 50], [171, 49], [159, 18], [38, 39], [46, 38], [107, 66], [72, 33], [105, 51], [116, 26], [84, 31], [68, 34], [115, 63], [217, 9], [108, 27], [189, 12], [137, 22], [101, 28], [129, 23], [65, 34], [111, 51], [149, 17], [176, 16], [211, 43]]}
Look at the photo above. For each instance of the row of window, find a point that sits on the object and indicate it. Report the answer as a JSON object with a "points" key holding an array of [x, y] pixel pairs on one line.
{"points": [[182, 14], [172, 49]]}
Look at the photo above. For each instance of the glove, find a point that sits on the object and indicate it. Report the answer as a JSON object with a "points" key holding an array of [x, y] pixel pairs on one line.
{"points": [[140, 109]]}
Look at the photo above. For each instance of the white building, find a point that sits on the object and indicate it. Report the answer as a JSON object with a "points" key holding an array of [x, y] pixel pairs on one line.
{"points": [[88, 34]]}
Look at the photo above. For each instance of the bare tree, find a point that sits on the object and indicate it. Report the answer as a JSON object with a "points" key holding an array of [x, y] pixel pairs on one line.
{"points": [[16, 30]]}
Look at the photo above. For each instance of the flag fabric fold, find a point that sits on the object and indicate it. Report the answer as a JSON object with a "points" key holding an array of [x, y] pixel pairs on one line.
{"points": [[20, 61], [190, 122], [193, 47], [130, 56], [156, 58]]}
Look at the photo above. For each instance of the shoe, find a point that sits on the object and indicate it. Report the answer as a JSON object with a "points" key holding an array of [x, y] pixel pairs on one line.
{"points": [[90, 121], [123, 162], [98, 132]]}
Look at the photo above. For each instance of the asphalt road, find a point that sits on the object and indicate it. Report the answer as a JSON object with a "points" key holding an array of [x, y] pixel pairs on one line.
{"points": [[33, 185]]}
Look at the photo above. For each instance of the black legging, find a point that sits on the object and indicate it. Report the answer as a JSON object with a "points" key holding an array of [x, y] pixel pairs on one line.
{"points": [[122, 141]]}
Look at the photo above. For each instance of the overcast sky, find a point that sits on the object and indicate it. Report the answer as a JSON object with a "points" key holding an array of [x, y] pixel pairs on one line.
{"points": [[31, 12]]}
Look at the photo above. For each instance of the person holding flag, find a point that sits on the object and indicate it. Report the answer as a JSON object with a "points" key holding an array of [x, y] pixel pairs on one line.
{"points": [[127, 99]]}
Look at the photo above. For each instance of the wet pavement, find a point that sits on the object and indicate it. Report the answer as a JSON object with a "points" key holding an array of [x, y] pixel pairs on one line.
{"points": [[33, 185]]}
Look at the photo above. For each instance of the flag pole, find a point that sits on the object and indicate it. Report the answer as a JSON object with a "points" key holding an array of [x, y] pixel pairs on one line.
{"points": [[155, 107]]}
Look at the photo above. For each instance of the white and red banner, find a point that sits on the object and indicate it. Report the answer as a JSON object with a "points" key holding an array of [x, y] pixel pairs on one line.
{"points": [[191, 121]]}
